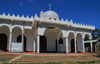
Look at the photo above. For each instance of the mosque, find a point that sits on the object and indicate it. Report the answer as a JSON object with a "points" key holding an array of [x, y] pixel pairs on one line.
{"points": [[44, 34]]}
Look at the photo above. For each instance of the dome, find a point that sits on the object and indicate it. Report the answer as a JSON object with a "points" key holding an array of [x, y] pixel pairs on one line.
{"points": [[50, 14]]}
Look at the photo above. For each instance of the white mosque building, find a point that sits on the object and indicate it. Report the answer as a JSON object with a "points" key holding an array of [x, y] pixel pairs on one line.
{"points": [[42, 34]]}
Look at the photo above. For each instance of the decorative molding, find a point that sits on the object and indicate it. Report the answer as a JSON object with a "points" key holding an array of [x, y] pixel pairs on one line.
{"points": [[46, 20]]}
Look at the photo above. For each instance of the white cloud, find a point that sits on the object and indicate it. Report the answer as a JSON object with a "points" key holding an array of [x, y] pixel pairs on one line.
{"points": [[21, 3], [31, 0]]}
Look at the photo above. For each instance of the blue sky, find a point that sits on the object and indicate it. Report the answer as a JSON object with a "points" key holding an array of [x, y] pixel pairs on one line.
{"points": [[80, 11]]}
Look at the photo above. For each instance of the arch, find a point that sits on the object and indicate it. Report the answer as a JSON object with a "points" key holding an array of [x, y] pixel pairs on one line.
{"points": [[5, 25], [19, 39], [60, 34], [43, 44], [17, 27], [89, 36], [71, 36], [79, 34], [3, 42], [52, 34], [71, 33]]}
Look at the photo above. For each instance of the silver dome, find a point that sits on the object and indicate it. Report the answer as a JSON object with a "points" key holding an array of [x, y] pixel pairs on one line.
{"points": [[50, 14]]}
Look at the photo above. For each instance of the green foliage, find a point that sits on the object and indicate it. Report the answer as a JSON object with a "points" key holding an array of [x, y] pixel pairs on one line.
{"points": [[86, 38], [96, 34]]}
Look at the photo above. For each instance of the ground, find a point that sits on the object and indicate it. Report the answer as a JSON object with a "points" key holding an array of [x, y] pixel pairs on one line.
{"points": [[50, 57]]}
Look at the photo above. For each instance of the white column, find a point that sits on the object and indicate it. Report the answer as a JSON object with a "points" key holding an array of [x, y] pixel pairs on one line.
{"points": [[38, 44], [91, 45], [57, 45], [66, 44], [75, 44], [22, 42], [33, 40], [83, 45], [10, 41]]}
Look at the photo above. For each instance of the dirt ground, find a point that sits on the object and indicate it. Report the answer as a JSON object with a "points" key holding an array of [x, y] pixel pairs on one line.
{"points": [[8, 56], [51, 58], [74, 58]]}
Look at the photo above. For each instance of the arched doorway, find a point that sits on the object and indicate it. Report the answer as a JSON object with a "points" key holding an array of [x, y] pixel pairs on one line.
{"points": [[19, 39], [72, 46], [52, 33], [3, 42], [60, 42], [43, 44]]}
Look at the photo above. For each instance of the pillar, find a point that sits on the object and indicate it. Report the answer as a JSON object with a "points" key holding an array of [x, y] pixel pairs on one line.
{"points": [[75, 45], [22, 42], [34, 41], [10, 41], [91, 45], [38, 44], [23, 39], [66, 44], [83, 45]]}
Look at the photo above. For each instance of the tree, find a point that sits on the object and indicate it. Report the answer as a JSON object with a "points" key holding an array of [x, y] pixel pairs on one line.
{"points": [[96, 34]]}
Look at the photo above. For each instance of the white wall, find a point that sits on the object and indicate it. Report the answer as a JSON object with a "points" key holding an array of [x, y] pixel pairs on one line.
{"points": [[79, 43], [15, 33], [51, 40], [27, 33], [29, 37]]}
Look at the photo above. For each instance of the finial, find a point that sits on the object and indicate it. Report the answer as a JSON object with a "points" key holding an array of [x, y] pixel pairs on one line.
{"points": [[41, 11], [50, 6]]}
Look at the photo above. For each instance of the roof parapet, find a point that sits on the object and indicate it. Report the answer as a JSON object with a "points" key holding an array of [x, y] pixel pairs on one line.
{"points": [[22, 18]]}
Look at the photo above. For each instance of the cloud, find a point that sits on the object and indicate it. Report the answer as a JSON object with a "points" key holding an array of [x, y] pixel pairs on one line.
{"points": [[21, 3], [31, 0]]}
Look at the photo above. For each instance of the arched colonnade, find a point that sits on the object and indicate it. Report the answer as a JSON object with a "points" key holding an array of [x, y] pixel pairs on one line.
{"points": [[75, 38]]}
